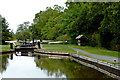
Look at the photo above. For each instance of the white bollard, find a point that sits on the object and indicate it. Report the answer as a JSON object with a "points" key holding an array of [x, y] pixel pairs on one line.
{"points": [[115, 60]]}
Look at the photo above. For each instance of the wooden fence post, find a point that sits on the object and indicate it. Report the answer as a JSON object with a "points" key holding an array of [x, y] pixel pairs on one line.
{"points": [[11, 45], [38, 56], [39, 45], [25, 41], [11, 56], [33, 41]]}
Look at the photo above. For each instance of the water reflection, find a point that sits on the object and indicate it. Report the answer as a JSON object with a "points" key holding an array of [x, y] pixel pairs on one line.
{"points": [[36, 66], [3, 62], [11, 56], [68, 68], [38, 57]]}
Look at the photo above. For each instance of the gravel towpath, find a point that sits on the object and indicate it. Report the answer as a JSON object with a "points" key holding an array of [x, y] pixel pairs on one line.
{"points": [[102, 57]]}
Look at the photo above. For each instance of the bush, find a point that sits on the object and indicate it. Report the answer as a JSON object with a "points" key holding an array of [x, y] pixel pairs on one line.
{"points": [[64, 37], [115, 44], [95, 40], [117, 47]]}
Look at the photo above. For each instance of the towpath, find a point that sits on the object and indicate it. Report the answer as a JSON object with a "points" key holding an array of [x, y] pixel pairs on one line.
{"points": [[101, 57]]}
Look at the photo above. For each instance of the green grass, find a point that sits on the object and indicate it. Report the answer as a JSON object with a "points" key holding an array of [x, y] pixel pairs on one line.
{"points": [[18, 43], [64, 49], [5, 48], [56, 45], [98, 51], [92, 50]]}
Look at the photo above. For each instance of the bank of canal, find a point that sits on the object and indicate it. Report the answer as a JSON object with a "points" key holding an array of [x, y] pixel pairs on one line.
{"points": [[36, 66]]}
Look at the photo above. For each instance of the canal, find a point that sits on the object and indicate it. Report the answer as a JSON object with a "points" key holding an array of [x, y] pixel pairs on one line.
{"points": [[36, 66]]}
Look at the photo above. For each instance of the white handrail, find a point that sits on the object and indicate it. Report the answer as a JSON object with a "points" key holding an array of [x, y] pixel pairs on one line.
{"points": [[98, 61]]}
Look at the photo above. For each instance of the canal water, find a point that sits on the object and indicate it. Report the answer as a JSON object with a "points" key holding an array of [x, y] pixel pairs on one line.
{"points": [[36, 66]]}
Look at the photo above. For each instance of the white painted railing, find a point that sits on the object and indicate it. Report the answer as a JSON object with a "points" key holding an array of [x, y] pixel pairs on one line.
{"points": [[97, 68], [98, 61]]}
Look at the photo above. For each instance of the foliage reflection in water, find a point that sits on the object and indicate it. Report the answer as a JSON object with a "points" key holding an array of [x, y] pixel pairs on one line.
{"points": [[29, 66]]}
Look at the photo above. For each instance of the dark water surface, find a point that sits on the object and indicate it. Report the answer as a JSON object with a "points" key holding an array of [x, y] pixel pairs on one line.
{"points": [[30, 66]]}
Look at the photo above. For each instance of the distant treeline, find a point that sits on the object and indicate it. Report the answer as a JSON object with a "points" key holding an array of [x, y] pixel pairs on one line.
{"points": [[99, 22]]}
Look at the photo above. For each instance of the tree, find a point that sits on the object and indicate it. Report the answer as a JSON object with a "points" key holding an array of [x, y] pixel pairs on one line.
{"points": [[99, 22], [23, 31], [110, 26], [4, 30], [44, 25]]}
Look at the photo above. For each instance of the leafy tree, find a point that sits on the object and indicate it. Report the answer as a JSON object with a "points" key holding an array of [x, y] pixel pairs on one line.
{"points": [[6, 34], [45, 23], [94, 19], [110, 25], [99, 22], [23, 31]]}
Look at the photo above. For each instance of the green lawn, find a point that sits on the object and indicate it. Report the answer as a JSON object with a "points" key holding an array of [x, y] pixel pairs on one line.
{"points": [[18, 43], [92, 50], [67, 49], [5, 48], [63, 47], [56, 45], [98, 51]]}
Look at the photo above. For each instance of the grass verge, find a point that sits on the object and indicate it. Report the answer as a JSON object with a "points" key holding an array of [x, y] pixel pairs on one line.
{"points": [[99, 51], [62, 49], [5, 48], [92, 50]]}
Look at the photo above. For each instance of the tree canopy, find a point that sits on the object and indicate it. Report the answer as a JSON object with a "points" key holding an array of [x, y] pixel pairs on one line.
{"points": [[5, 32], [23, 31], [99, 22]]}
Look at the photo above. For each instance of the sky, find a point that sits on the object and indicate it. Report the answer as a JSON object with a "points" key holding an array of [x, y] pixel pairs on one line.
{"points": [[18, 11]]}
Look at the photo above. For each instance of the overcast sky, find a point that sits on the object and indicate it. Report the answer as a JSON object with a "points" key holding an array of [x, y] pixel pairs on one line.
{"points": [[18, 11]]}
